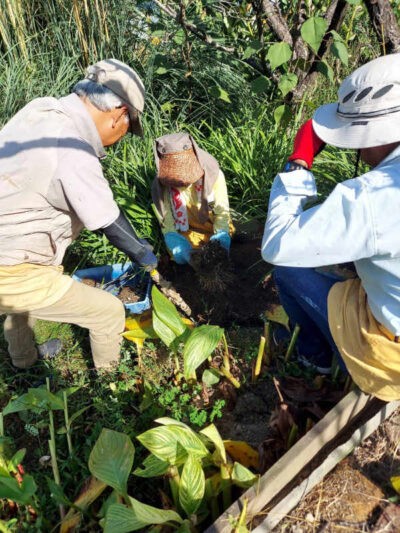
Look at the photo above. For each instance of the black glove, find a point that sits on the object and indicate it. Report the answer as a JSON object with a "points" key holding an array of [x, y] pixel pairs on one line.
{"points": [[122, 235]]}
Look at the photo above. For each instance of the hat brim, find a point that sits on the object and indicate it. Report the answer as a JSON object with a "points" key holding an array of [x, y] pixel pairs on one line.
{"points": [[355, 133], [135, 125]]}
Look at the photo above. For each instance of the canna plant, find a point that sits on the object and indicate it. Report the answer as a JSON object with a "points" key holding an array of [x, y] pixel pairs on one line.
{"points": [[200, 472], [15, 485], [110, 463], [196, 344], [197, 466]]}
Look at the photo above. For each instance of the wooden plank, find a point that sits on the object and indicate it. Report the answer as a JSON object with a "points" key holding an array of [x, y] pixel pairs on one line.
{"points": [[288, 466], [288, 503]]}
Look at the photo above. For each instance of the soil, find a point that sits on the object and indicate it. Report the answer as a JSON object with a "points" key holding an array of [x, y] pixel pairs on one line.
{"points": [[127, 294], [90, 282], [354, 496], [225, 292]]}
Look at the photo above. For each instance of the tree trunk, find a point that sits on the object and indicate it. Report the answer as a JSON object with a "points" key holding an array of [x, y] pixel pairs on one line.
{"points": [[385, 25]]}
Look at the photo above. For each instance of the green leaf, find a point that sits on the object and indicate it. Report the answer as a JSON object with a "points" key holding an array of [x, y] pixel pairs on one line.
{"points": [[163, 331], [313, 31], [10, 488], [326, 70], [111, 459], [36, 400], [69, 391], [75, 415], [212, 433], [199, 346], [253, 47], [282, 115], [191, 485], [278, 54], [17, 459], [260, 84], [179, 37], [340, 51], [287, 83], [57, 493], [4, 526], [242, 476], [44, 399], [167, 421], [120, 519], [166, 312], [210, 377], [152, 467], [354, 2], [161, 70], [173, 443], [219, 92], [336, 36], [158, 33], [151, 515]]}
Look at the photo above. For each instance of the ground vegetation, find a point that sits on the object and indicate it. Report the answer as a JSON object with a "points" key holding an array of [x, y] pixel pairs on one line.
{"points": [[240, 77]]}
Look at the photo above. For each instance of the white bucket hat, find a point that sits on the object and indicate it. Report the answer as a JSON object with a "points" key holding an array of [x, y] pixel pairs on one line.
{"points": [[368, 111]]}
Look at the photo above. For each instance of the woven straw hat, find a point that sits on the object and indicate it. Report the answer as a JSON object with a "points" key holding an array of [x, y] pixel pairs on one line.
{"points": [[368, 111], [177, 161]]}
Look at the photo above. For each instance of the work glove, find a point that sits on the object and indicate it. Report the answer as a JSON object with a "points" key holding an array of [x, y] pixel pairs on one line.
{"points": [[178, 246], [306, 144], [223, 238], [148, 261]]}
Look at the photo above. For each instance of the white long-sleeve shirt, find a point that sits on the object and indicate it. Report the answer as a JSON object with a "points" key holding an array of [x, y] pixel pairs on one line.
{"points": [[359, 221]]}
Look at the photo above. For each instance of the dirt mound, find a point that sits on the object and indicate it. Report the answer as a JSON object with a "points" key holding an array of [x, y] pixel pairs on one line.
{"points": [[237, 291]]}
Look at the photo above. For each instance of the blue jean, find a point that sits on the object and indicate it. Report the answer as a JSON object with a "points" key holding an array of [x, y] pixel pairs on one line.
{"points": [[303, 293]]}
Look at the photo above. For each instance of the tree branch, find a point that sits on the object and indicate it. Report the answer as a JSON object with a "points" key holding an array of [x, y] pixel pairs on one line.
{"points": [[192, 28], [276, 21]]}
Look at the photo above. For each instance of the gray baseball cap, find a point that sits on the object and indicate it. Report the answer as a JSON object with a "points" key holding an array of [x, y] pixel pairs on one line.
{"points": [[123, 81]]}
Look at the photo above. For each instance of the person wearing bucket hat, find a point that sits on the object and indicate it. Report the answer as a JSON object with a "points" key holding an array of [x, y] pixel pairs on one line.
{"points": [[190, 196], [355, 316], [51, 187]]}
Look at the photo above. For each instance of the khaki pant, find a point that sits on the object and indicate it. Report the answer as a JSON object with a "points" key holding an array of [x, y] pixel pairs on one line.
{"points": [[95, 309]]}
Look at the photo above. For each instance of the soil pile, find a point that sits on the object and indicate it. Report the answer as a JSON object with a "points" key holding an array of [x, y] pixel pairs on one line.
{"points": [[237, 291]]}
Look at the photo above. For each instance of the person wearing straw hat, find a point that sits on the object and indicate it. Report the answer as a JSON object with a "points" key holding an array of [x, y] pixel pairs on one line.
{"points": [[51, 187], [358, 318], [190, 196]]}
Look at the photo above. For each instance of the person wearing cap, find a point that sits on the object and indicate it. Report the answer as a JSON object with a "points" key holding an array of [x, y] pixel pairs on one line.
{"points": [[359, 318], [190, 196], [51, 187]]}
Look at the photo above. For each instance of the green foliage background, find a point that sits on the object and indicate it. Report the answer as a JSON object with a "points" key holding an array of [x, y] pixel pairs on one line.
{"points": [[232, 109]]}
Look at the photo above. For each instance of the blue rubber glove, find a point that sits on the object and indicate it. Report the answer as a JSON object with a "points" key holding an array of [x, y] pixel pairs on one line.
{"points": [[179, 247], [223, 238]]}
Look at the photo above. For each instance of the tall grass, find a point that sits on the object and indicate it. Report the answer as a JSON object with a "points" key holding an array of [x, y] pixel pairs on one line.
{"points": [[44, 46]]}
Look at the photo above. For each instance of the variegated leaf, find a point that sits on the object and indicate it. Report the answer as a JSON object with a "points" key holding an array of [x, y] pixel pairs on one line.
{"points": [[191, 486]]}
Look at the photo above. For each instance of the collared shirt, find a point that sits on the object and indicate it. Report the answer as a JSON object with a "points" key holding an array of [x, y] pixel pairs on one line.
{"points": [[359, 221], [51, 186], [51, 181]]}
